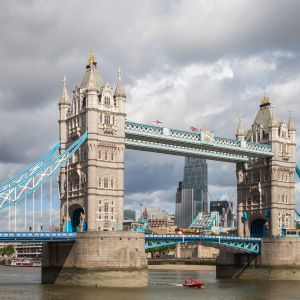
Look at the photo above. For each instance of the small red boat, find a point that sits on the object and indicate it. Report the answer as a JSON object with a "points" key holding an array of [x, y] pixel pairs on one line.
{"points": [[189, 282]]}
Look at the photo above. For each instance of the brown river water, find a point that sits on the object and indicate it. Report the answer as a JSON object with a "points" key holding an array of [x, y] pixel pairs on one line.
{"points": [[24, 283]]}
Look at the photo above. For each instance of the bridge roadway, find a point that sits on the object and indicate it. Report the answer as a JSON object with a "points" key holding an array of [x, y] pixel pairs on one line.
{"points": [[232, 243]]}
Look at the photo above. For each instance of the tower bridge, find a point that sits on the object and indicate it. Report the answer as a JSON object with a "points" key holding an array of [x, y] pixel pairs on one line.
{"points": [[94, 134]]}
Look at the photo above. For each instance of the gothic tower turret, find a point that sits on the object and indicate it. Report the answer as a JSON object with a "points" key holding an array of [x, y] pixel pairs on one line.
{"points": [[96, 173], [64, 107], [266, 186]]}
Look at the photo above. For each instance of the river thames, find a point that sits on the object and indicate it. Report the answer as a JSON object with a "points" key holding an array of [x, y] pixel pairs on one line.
{"points": [[23, 283]]}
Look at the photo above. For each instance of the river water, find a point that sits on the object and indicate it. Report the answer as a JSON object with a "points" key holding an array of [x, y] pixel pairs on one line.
{"points": [[24, 283]]}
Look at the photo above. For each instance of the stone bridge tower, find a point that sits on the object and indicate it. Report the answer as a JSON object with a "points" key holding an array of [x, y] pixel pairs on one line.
{"points": [[92, 191], [266, 186]]}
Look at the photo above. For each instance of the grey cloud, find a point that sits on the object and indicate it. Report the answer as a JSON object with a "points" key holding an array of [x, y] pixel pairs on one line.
{"points": [[41, 41]]}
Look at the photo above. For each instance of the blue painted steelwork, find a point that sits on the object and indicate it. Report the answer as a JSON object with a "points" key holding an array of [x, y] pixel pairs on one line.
{"points": [[37, 175], [298, 171], [19, 177], [202, 144], [7, 237], [204, 221], [238, 244]]}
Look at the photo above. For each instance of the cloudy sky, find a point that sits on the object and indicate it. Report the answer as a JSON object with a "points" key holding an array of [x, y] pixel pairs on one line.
{"points": [[188, 63]]}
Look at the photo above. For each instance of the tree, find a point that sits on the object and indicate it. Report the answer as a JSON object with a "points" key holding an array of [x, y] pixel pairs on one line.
{"points": [[7, 250]]}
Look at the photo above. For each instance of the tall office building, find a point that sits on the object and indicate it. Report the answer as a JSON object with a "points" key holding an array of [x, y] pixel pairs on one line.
{"points": [[191, 196]]}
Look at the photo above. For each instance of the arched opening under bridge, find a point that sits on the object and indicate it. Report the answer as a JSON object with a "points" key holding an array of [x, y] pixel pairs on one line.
{"points": [[259, 228], [78, 219]]}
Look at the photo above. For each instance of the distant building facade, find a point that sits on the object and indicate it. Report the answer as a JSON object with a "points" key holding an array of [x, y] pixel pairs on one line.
{"points": [[155, 217], [129, 214], [191, 196], [225, 210]]}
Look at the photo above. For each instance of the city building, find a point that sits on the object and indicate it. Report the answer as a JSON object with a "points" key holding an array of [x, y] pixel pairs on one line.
{"points": [[225, 209], [129, 214], [158, 219], [191, 196]]}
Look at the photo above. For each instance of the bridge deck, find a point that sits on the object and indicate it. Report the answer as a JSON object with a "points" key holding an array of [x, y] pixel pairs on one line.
{"points": [[235, 244]]}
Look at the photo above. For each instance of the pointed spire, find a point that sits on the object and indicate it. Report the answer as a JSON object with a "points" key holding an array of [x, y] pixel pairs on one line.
{"points": [[91, 81], [273, 121], [240, 133], [119, 91], [91, 67], [64, 96], [291, 123]]}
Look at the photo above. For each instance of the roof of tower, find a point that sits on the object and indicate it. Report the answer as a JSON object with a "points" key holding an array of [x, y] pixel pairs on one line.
{"points": [[64, 96], [263, 116], [91, 69], [119, 91]]}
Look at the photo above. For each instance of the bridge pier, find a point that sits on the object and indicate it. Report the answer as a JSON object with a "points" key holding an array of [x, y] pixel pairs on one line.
{"points": [[105, 259], [279, 260]]}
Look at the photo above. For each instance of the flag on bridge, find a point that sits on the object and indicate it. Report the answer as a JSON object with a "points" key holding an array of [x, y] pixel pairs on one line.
{"points": [[194, 129], [157, 122]]}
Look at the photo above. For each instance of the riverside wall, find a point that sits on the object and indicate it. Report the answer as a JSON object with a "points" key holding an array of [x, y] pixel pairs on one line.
{"points": [[279, 260], [105, 259]]}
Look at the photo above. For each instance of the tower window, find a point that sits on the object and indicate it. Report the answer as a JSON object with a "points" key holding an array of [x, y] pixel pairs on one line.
{"points": [[106, 100], [106, 207], [107, 119], [105, 155], [106, 183], [112, 156], [112, 183], [99, 155]]}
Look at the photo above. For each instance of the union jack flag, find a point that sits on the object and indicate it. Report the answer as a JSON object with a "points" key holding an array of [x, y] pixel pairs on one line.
{"points": [[157, 122], [194, 129]]}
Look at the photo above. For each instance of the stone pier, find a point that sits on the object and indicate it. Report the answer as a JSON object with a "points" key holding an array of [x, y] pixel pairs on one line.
{"points": [[104, 259], [279, 260]]}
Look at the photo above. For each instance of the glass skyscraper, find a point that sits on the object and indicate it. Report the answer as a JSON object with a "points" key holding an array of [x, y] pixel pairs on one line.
{"points": [[191, 196]]}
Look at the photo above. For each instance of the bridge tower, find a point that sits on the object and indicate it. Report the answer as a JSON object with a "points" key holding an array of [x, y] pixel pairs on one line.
{"points": [[266, 186], [92, 190]]}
